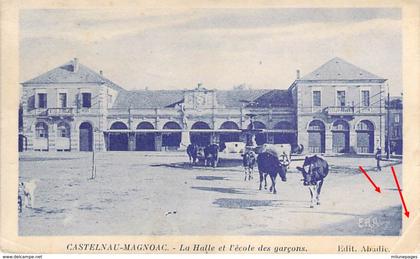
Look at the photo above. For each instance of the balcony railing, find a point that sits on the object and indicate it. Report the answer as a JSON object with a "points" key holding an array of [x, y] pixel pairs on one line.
{"points": [[340, 110], [60, 112]]}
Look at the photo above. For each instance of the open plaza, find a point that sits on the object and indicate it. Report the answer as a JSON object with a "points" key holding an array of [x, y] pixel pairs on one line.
{"points": [[160, 193]]}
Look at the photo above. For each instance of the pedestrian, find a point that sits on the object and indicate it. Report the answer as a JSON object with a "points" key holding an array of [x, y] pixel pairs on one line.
{"points": [[378, 155]]}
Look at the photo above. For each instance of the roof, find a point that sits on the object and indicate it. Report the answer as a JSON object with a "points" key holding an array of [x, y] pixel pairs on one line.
{"points": [[227, 98], [67, 74], [339, 69]]}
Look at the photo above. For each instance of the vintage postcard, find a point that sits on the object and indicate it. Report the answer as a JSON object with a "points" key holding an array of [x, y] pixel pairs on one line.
{"points": [[209, 127]]}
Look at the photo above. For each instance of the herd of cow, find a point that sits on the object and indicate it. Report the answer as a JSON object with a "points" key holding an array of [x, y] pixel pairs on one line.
{"points": [[271, 160]]}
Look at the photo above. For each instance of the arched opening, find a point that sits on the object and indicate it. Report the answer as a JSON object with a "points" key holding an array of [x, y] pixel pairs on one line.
{"points": [[228, 136], [171, 140], [285, 137], [41, 137], [145, 141], [260, 138], [85, 137], [118, 141], [62, 142], [200, 138], [316, 137], [340, 136], [365, 131]]}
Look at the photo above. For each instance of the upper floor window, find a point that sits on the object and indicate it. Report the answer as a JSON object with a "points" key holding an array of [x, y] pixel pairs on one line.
{"points": [[341, 98], [365, 98], [42, 100], [86, 100], [62, 100], [316, 98], [397, 118]]}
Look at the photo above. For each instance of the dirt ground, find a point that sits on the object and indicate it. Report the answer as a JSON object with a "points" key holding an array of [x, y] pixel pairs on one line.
{"points": [[159, 193]]}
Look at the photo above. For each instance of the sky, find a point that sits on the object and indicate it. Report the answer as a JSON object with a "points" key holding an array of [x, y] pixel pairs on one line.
{"points": [[220, 48]]}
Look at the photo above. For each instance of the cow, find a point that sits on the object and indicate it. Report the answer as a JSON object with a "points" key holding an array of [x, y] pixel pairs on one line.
{"points": [[249, 159], [278, 150], [211, 155], [314, 170], [192, 151], [269, 164]]}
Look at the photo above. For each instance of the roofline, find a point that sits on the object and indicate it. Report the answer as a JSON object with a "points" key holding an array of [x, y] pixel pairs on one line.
{"points": [[373, 80]]}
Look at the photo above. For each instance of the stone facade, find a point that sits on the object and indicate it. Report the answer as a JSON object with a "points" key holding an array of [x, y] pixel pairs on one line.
{"points": [[73, 108]]}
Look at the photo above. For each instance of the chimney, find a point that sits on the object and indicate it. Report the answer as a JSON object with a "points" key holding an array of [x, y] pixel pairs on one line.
{"points": [[297, 74], [75, 64], [101, 72]]}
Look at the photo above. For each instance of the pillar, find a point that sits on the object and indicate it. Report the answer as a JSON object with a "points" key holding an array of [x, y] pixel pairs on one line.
{"points": [[185, 140], [131, 141], [52, 135], [158, 141], [353, 141], [328, 141]]}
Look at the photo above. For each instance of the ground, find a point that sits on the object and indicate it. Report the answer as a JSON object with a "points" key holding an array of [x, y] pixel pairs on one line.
{"points": [[159, 193]]}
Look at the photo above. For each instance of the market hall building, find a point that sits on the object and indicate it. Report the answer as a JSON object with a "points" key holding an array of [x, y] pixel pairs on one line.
{"points": [[335, 109]]}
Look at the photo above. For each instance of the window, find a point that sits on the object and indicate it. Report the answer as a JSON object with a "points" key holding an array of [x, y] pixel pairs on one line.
{"points": [[316, 98], [41, 130], [42, 100], [86, 100], [365, 98], [397, 132], [63, 130], [397, 118], [341, 98], [62, 100]]}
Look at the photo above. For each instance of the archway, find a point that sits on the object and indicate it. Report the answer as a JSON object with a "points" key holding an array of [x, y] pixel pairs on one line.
{"points": [[171, 140], [228, 136], [85, 136], [62, 142], [118, 141], [285, 137], [40, 142], [145, 141], [365, 131], [340, 136], [200, 138], [260, 138], [316, 137]]}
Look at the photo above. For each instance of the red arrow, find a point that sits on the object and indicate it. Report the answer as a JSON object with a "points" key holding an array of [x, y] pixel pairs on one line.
{"points": [[406, 212], [370, 180]]}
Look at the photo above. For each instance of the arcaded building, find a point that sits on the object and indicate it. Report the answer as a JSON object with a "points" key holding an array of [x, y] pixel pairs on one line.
{"points": [[334, 109]]}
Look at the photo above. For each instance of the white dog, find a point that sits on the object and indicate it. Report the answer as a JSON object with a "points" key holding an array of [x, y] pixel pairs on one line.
{"points": [[26, 194]]}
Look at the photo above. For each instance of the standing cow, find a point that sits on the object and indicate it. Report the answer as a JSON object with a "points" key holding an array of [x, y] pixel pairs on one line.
{"points": [[249, 159], [192, 151], [269, 164], [211, 155], [314, 170]]}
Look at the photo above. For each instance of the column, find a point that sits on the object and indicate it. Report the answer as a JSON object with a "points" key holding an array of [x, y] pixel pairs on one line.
{"points": [[353, 141], [328, 141], [185, 140], [52, 135], [158, 141], [131, 141]]}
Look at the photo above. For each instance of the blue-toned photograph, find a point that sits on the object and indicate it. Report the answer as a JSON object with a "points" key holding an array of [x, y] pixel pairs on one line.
{"points": [[240, 121]]}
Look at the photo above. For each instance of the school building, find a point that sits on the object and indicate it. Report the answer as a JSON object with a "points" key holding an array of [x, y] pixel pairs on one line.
{"points": [[338, 108]]}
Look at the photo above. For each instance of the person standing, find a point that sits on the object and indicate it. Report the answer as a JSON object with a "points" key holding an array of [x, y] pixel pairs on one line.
{"points": [[378, 155]]}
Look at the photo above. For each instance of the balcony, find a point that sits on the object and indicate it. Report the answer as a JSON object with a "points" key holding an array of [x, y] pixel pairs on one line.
{"points": [[59, 112], [340, 110]]}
